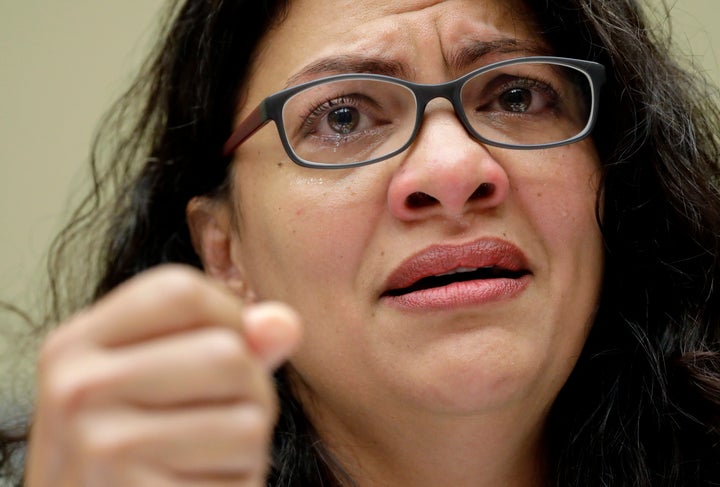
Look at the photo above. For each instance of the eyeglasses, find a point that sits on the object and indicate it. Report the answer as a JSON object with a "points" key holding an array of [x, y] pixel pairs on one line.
{"points": [[351, 120]]}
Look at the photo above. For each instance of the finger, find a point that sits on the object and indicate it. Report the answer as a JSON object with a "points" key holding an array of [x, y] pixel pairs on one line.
{"points": [[158, 302], [98, 473], [273, 332], [219, 441], [201, 365]]}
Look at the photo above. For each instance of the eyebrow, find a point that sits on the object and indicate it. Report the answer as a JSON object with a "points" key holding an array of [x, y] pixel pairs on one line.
{"points": [[349, 63], [460, 59], [473, 51]]}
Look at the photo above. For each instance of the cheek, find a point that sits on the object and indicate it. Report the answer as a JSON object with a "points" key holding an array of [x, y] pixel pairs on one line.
{"points": [[560, 201], [302, 232]]}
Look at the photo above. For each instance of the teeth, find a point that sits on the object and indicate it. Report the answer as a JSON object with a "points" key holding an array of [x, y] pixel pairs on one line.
{"points": [[460, 270]]}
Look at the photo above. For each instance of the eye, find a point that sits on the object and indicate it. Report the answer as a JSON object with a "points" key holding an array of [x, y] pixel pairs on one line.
{"points": [[509, 95], [516, 100], [526, 96], [343, 120], [341, 116]]}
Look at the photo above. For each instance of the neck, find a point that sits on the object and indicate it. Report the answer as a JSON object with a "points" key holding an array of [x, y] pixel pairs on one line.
{"points": [[405, 447]]}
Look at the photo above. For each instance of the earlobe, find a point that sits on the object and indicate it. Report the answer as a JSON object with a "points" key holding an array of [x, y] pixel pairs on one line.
{"points": [[213, 237]]}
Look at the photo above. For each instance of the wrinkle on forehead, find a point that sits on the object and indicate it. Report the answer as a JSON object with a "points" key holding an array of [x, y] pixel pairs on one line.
{"points": [[459, 60], [381, 8], [427, 40]]}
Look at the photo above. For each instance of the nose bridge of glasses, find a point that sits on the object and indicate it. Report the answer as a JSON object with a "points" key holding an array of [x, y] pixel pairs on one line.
{"points": [[428, 93]]}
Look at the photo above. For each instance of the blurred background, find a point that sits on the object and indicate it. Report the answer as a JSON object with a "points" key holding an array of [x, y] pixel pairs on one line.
{"points": [[62, 63]]}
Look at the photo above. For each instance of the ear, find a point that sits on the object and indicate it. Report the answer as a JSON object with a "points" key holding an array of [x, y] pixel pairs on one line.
{"points": [[215, 240]]}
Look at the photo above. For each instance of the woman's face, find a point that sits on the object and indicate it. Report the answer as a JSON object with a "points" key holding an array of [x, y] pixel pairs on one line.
{"points": [[347, 247]]}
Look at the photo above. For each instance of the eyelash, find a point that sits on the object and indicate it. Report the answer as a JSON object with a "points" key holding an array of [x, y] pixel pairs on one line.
{"points": [[544, 86], [311, 116]]}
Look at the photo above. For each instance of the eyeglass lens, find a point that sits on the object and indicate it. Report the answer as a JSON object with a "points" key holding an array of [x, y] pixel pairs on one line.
{"points": [[356, 120]]}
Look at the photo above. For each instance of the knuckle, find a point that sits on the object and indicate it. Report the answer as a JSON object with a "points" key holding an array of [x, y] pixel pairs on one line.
{"points": [[252, 425], [236, 368], [180, 283], [65, 391], [185, 289], [58, 340], [100, 441], [71, 385], [226, 347], [50, 350]]}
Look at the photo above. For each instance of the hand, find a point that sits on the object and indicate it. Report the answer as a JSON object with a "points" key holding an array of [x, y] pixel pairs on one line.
{"points": [[167, 381]]}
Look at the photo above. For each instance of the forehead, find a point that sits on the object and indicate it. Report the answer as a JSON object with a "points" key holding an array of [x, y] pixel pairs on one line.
{"points": [[419, 36]]}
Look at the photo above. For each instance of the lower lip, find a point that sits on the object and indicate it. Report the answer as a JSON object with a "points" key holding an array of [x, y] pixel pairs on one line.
{"points": [[460, 294]]}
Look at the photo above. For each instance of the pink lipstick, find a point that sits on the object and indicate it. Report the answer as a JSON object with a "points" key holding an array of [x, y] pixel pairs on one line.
{"points": [[451, 276]]}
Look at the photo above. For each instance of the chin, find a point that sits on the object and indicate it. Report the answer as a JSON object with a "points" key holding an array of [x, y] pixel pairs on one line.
{"points": [[487, 379]]}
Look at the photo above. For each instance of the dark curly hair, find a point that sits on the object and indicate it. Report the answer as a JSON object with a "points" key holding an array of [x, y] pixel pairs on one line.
{"points": [[641, 408]]}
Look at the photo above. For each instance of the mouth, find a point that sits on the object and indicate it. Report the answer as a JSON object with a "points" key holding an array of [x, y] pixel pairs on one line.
{"points": [[461, 274], [450, 275]]}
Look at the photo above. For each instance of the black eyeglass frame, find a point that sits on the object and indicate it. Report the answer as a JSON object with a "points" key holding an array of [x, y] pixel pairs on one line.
{"points": [[271, 108]]}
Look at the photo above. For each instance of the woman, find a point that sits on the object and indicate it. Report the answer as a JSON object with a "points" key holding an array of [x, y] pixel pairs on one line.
{"points": [[498, 222]]}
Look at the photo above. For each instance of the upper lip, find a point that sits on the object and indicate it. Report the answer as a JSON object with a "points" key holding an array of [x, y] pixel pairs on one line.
{"points": [[499, 255]]}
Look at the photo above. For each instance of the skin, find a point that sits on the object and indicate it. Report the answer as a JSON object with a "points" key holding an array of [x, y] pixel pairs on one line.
{"points": [[407, 397], [164, 382], [167, 380]]}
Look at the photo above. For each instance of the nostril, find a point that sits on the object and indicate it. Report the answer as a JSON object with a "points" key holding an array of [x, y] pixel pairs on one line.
{"points": [[419, 199], [483, 191]]}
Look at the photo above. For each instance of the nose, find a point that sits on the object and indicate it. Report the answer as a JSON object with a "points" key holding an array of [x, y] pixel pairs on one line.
{"points": [[446, 173]]}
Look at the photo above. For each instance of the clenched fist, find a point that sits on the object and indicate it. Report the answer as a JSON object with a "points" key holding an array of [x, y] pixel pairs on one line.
{"points": [[166, 381]]}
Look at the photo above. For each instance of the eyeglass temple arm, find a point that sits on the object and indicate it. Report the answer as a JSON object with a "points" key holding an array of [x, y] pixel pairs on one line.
{"points": [[251, 124]]}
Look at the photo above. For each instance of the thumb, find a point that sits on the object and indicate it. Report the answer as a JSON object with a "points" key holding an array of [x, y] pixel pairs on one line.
{"points": [[272, 331]]}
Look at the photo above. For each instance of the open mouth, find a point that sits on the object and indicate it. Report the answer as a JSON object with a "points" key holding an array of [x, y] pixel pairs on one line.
{"points": [[461, 274]]}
